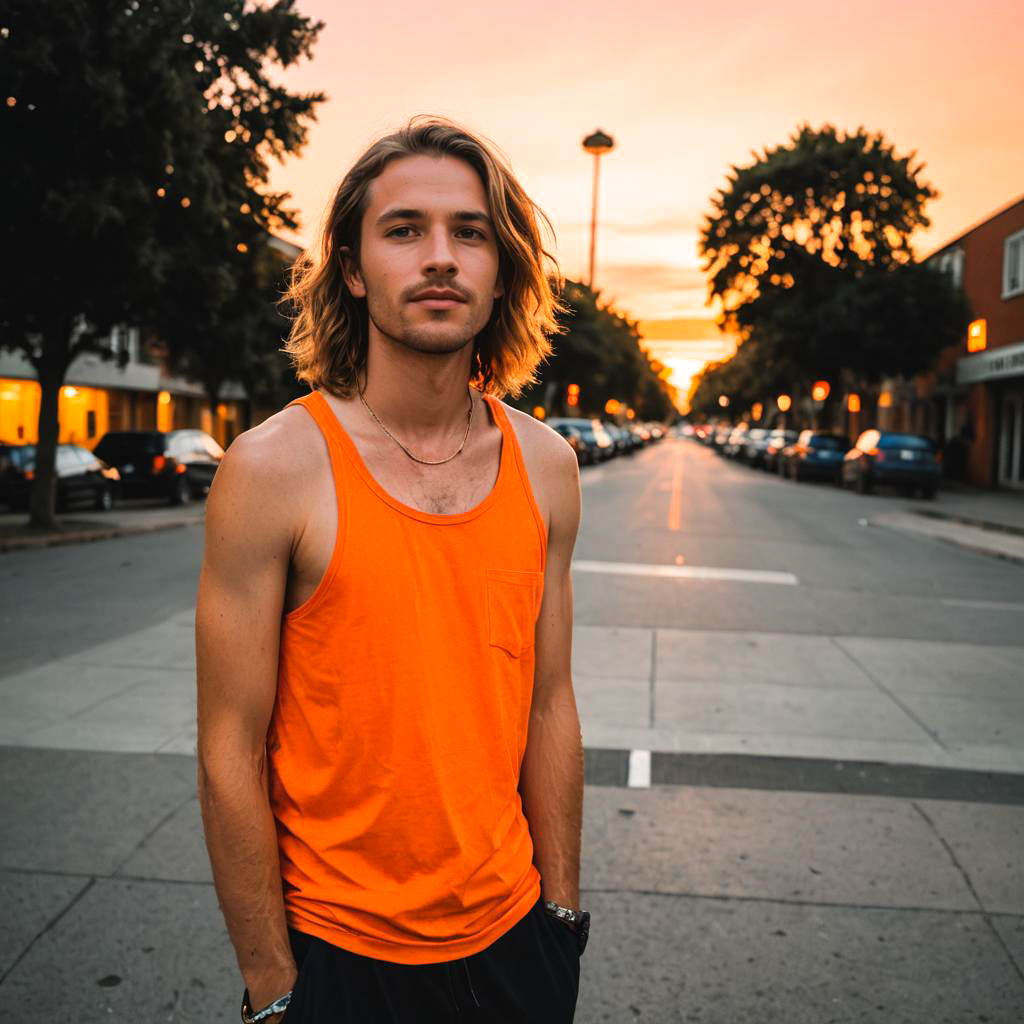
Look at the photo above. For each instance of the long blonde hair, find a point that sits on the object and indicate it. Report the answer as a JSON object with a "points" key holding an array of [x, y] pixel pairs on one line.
{"points": [[328, 339]]}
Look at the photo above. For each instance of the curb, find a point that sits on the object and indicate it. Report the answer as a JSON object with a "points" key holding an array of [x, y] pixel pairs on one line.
{"points": [[981, 524], [964, 543], [48, 540]]}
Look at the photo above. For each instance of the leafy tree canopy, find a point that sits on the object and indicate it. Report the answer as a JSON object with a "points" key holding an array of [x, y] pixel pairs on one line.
{"points": [[599, 350], [808, 250], [135, 148]]}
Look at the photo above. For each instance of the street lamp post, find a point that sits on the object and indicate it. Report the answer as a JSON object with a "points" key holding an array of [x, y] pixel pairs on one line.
{"points": [[596, 145]]}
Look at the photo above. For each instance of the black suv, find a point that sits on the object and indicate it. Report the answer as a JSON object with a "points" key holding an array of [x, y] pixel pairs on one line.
{"points": [[176, 464]]}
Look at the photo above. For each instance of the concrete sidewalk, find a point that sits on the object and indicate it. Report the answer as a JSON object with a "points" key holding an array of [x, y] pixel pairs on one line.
{"points": [[854, 698], [126, 518], [724, 904]]}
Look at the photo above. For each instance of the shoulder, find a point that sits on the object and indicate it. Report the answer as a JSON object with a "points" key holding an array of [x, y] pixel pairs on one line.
{"points": [[553, 472], [540, 443], [279, 450], [267, 474]]}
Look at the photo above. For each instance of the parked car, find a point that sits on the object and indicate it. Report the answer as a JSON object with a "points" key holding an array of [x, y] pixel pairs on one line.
{"points": [[177, 464], [82, 478], [908, 461], [720, 438], [752, 452], [621, 443], [814, 455], [641, 434], [584, 456], [594, 436], [734, 445], [774, 443]]}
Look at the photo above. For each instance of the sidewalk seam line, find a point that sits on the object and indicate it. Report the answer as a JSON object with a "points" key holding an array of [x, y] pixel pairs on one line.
{"points": [[152, 832], [652, 682], [892, 696], [49, 926], [783, 901], [970, 888]]}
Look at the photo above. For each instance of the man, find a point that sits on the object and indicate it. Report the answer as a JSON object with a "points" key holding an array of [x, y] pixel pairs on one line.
{"points": [[390, 761]]}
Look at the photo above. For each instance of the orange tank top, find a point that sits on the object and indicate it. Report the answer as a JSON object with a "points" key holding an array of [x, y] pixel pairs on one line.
{"points": [[403, 699]]}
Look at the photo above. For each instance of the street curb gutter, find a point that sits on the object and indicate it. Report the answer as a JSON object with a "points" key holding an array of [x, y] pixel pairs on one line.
{"points": [[1002, 544], [980, 524], [48, 540]]}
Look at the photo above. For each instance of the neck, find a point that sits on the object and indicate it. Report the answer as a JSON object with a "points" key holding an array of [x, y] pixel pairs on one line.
{"points": [[418, 395]]}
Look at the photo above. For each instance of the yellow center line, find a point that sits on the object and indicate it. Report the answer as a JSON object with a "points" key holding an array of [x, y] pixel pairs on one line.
{"points": [[675, 505]]}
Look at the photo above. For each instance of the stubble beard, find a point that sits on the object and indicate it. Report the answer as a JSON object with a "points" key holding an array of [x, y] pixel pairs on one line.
{"points": [[438, 338]]}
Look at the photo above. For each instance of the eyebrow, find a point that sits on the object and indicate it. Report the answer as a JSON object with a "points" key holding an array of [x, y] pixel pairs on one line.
{"points": [[462, 216]]}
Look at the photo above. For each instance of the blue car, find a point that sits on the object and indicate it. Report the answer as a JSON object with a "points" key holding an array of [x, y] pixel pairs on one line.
{"points": [[908, 461], [814, 455]]}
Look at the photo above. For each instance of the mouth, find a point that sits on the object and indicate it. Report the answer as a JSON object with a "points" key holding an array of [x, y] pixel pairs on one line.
{"points": [[439, 298]]}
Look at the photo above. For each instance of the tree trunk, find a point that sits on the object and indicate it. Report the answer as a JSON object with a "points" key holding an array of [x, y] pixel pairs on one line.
{"points": [[51, 368], [212, 389]]}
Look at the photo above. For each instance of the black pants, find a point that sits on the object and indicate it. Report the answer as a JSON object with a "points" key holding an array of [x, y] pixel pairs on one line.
{"points": [[530, 975]]}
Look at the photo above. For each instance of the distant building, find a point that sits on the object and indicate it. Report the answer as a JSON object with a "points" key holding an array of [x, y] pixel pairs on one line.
{"points": [[977, 391], [131, 392]]}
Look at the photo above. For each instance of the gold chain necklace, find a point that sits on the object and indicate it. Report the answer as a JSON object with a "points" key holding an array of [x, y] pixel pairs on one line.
{"points": [[416, 458]]}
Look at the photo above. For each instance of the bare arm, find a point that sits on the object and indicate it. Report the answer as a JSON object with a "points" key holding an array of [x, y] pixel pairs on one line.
{"points": [[551, 781], [238, 619]]}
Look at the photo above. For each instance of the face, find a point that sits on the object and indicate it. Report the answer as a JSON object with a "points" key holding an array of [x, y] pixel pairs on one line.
{"points": [[428, 262]]}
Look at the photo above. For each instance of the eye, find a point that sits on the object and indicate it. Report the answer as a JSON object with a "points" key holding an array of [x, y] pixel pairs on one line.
{"points": [[393, 233], [474, 232]]}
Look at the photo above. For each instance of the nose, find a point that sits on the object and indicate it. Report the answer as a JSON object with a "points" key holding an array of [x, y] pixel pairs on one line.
{"points": [[438, 257]]}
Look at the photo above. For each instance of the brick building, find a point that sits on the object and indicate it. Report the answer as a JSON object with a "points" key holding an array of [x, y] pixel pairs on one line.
{"points": [[977, 391]]}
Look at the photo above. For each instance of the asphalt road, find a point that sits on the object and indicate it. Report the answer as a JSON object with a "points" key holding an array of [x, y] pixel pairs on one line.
{"points": [[725, 888]]}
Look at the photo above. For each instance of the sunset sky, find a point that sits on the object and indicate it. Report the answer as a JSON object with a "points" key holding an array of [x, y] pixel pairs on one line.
{"points": [[686, 90]]}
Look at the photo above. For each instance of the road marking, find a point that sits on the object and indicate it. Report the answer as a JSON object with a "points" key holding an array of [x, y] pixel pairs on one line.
{"points": [[675, 504], [688, 572], [639, 776], [996, 606]]}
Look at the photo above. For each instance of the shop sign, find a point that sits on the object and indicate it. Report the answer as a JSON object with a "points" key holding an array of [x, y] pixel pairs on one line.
{"points": [[1007, 361]]}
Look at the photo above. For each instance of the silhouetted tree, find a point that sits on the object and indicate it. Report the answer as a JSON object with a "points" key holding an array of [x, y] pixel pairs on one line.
{"points": [[808, 250], [135, 149], [600, 352]]}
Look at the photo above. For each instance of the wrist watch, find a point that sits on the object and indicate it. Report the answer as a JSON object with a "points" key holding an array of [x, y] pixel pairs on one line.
{"points": [[578, 920], [279, 1005]]}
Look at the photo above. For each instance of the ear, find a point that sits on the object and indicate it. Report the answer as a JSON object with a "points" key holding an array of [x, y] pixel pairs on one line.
{"points": [[351, 273], [499, 288]]}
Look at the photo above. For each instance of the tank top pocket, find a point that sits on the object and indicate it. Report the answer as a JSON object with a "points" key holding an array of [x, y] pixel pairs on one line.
{"points": [[512, 608]]}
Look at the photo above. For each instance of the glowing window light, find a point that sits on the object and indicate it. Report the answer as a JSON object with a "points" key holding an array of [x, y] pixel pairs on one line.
{"points": [[242, 247], [820, 391], [885, 400], [186, 202], [161, 192], [783, 402], [230, 135], [853, 403], [538, 412], [70, 392], [977, 336], [164, 398]]}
